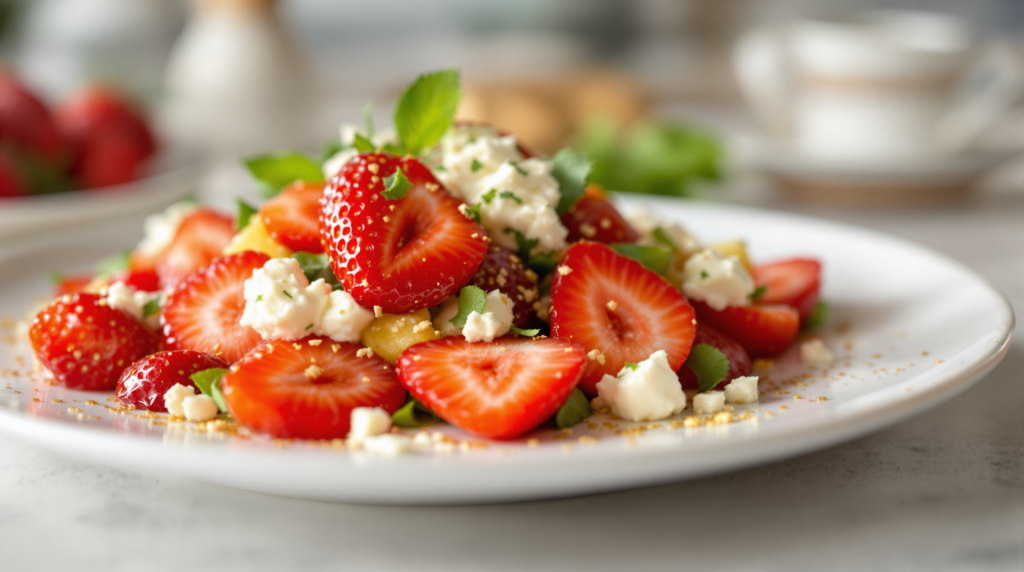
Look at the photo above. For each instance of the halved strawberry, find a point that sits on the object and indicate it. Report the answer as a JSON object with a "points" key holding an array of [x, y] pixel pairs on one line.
{"points": [[498, 390], [400, 254], [141, 280], [794, 282], [86, 344], [292, 217], [762, 330], [203, 311], [201, 237], [308, 389], [594, 217], [503, 270], [607, 302], [739, 361], [144, 383]]}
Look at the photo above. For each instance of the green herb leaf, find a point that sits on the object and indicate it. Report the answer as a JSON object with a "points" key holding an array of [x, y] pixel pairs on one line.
{"points": [[259, 298], [426, 110], [330, 149], [275, 171], [542, 264], [571, 170], [309, 327], [758, 293], [489, 196], [413, 415], [704, 275], [396, 185], [218, 397], [245, 212], [471, 299], [316, 266], [475, 166], [208, 382], [285, 292], [522, 243], [818, 316], [709, 364], [471, 211], [393, 149], [441, 168], [656, 258], [362, 144], [519, 169], [527, 333], [629, 366], [151, 308], [510, 195], [368, 118], [574, 410], [660, 236], [113, 263]]}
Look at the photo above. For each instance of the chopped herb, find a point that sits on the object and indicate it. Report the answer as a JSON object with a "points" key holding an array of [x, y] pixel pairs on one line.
{"points": [[471, 299], [55, 277], [286, 293], [396, 185], [571, 170], [489, 196], [629, 366], [413, 415], [818, 316], [510, 195], [393, 149], [259, 298], [523, 244], [151, 308], [656, 258], [521, 171], [758, 293], [275, 171], [218, 397], [542, 264], [245, 212], [309, 327], [475, 166], [472, 211], [709, 364], [662, 237], [526, 333], [316, 266], [426, 110], [441, 168], [704, 275], [575, 409]]}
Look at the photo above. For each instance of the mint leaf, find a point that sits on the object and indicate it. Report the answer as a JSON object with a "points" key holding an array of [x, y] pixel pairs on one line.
{"points": [[519, 169], [316, 266], [471, 299], [475, 166], [151, 308], [413, 415], [275, 171], [245, 212], [368, 119], [510, 195], [818, 317], [656, 258], [113, 263], [527, 333], [709, 364], [660, 236], [522, 243], [208, 382], [574, 410], [758, 293], [330, 149], [362, 144], [489, 196], [285, 292], [218, 397], [426, 110], [571, 170], [396, 185]]}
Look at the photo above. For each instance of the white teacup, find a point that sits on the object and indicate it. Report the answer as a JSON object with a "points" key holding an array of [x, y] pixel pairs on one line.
{"points": [[880, 84]]}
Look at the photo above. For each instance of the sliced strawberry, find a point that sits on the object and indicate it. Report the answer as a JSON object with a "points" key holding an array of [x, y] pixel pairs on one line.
{"points": [[498, 390], [203, 312], [87, 344], [308, 389], [594, 217], [292, 217], [611, 303], [201, 237], [71, 284], [140, 280], [795, 282], [145, 382], [401, 254], [762, 330], [739, 361], [502, 269]]}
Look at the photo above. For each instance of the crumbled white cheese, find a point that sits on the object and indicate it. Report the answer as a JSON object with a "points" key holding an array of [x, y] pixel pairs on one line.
{"points": [[160, 228], [514, 194], [174, 399], [649, 392], [120, 296], [442, 320], [390, 445], [645, 224], [281, 303], [348, 136], [495, 321], [742, 390], [710, 402], [815, 351], [199, 408], [719, 281], [368, 422]]}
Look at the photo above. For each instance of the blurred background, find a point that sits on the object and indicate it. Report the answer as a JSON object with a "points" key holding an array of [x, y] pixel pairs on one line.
{"points": [[842, 102]]}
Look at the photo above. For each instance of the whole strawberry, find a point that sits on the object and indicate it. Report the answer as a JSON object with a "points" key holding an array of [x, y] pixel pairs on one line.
{"points": [[86, 344], [145, 382]]}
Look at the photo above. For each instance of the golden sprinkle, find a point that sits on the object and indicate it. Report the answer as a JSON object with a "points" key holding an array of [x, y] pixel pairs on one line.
{"points": [[315, 343], [378, 311], [335, 348], [564, 270], [366, 379], [314, 371], [365, 352]]}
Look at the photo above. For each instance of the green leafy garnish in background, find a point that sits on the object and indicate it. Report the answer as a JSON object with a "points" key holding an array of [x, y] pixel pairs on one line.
{"points": [[208, 382], [368, 119], [656, 258], [245, 212], [413, 415], [330, 149], [709, 364], [275, 171], [426, 110], [471, 299], [571, 170], [818, 317], [574, 410], [396, 185], [542, 264], [362, 144], [113, 263]]}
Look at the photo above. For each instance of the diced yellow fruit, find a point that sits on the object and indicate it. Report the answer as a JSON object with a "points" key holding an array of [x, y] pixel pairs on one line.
{"points": [[255, 237], [734, 248], [390, 334]]}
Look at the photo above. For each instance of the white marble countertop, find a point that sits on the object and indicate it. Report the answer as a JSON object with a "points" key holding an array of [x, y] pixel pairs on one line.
{"points": [[944, 491]]}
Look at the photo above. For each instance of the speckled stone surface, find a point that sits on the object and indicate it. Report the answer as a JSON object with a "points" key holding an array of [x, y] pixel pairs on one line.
{"points": [[944, 491]]}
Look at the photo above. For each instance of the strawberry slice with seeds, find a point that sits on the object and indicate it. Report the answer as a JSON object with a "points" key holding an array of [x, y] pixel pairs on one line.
{"points": [[308, 389], [503, 270], [794, 282], [292, 217], [203, 311], [594, 217], [763, 330], [85, 343], [607, 302], [739, 361], [201, 237], [402, 254], [145, 382], [497, 390]]}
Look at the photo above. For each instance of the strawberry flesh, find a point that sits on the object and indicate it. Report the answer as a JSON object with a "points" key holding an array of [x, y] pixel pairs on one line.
{"points": [[200, 238], [739, 361], [145, 382], [498, 390], [292, 217], [763, 330], [795, 282]]}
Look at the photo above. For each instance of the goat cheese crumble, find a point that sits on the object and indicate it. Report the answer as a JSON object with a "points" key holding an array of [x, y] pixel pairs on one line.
{"points": [[710, 402], [717, 280], [647, 392], [366, 422], [742, 390], [160, 228], [495, 321], [119, 295]]}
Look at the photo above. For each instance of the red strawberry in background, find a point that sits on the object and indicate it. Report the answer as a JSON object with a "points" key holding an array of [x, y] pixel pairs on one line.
{"points": [[503, 270], [11, 184], [145, 382], [87, 345], [795, 282], [607, 302], [739, 361], [140, 280], [594, 217], [498, 390], [26, 123], [401, 254], [200, 238], [292, 217], [308, 389]]}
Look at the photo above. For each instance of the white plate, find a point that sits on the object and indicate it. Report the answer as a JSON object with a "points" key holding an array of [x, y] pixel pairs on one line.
{"points": [[913, 329]]}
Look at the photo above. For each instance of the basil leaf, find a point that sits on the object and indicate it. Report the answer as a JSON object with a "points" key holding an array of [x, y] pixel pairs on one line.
{"points": [[362, 144], [471, 211], [471, 299], [245, 212], [393, 149], [275, 171], [660, 236], [316, 266], [818, 317], [656, 258], [413, 415], [574, 410], [330, 149], [631, 366], [113, 263], [522, 243], [396, 185], [571, 170], [758, 293], [206, 378], [151, 308], [709, 364], [527, 333], [426, 110]]}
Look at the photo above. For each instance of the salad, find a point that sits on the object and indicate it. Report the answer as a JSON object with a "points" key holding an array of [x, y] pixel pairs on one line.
{"points": [[435, 272]]}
